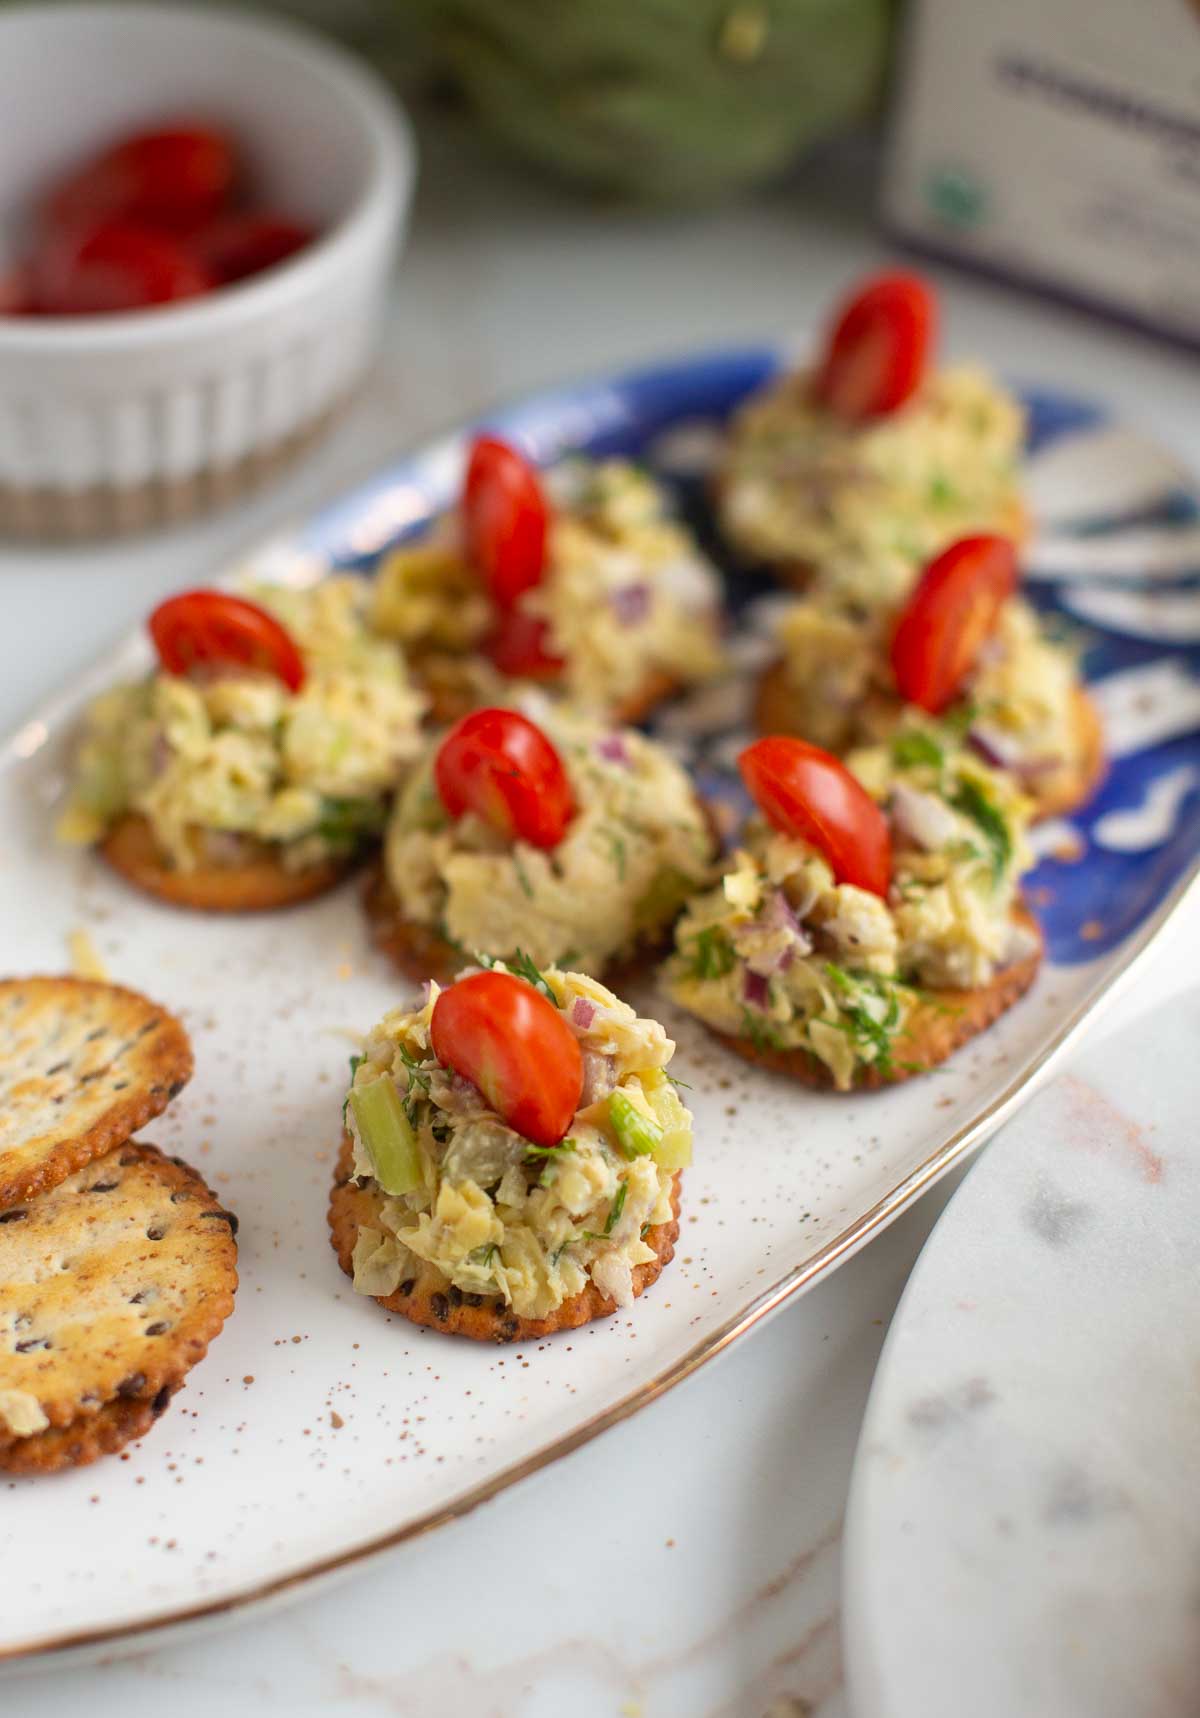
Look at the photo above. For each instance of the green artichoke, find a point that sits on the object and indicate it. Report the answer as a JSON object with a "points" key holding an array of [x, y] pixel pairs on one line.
{"points": [[674, 100]]}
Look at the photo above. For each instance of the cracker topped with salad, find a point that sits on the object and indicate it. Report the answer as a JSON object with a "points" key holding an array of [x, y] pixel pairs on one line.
{"points": [[253, 766], [562, 836], [512, 1156], [873, 459], [870, 922], [580, 579]]}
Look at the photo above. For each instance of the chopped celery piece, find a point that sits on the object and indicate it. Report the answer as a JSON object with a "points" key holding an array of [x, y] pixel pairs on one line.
{"points": [[674, 1150], [387, 1135], [637, 1135]]}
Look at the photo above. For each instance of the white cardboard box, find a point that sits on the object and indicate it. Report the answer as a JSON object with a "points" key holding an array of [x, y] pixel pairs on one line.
{"points": [[1056, 142]]}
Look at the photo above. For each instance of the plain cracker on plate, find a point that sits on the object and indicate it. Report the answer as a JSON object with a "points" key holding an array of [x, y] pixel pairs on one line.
{"points": [[112, 1286], [429, 1298], [83, 1064]]}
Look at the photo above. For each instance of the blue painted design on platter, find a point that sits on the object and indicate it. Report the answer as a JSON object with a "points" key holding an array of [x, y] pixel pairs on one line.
{"points": [[1087, 905]]}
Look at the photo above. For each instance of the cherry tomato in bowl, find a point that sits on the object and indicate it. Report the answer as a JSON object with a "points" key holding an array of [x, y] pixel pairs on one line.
{"points": [[505, 518], [236, 246], [879, 348], [115, 266], [502, 767], [174, 178], [807, 793], [203, 628], [950, 616], [507, 1039]]}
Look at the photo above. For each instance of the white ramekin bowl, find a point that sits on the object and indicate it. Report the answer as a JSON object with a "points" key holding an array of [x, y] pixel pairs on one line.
{"points": [[111, 423]]}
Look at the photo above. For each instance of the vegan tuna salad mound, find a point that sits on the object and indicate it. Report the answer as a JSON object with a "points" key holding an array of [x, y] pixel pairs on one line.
{"points": [[222, 787], [624, 610], [451, 1216], [634, 845]]}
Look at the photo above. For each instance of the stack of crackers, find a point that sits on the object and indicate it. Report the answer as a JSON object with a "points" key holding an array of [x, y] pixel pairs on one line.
{"points": [[118, 1266]]}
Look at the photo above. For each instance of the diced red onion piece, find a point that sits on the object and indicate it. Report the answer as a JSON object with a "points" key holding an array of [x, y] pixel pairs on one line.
{"points": [[583, 1013], [994, 746], [631, 603], [754, 989], [612, 749]]}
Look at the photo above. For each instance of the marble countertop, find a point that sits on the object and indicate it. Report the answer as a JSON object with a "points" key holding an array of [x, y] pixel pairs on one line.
{"points": [[688, 1561]]}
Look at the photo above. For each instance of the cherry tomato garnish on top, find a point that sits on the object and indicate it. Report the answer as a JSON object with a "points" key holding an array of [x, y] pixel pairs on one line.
{"points": [[500, 766], [239, 245], [174, 178], [949, 617], [505, 517], [507, 1039], [805, 792], [879, 347], [116, 266], [201, 628], [517, 646]]}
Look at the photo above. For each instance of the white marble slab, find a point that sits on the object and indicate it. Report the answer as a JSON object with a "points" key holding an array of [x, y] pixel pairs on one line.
{"points": [[1025, 1512]]}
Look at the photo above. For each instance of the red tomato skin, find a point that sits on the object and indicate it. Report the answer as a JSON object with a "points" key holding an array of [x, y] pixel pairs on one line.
{"points": [[236, 246], [949, 617], [497, 764], [173, 177], [505, 1037], [505, 519], [879, 347], [517, 647], [808, 793], [203, 627], [112, 267]]}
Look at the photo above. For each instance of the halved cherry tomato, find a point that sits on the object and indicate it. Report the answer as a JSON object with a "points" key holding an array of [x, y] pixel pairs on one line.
{"points": [[505, 517], [200, 627], [507, 1039], [504, 769], [235, 246], [949, 618], [517, 647], [175, 178], [805, 792], [116, 266], [879, 347]]}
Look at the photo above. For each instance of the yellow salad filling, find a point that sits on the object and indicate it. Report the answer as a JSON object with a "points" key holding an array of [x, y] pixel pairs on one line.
{"points": [[222, 759], [873, 501], [627, 595], [1018, 702], [638, 845], [780, 954], [496, 1215]]}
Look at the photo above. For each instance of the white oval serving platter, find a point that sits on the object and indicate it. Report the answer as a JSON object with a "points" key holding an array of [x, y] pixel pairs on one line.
{"points": [[319, 1430]]}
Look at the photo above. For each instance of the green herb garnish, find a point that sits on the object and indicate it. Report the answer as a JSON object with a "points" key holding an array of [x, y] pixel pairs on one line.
{"points": [[617, 849], [483, 1255], [712, 954], [859, 1024], [915, 747], [760, 1034], [548, 1156], [355, 1063], [971, 800], [346, 822], [522, 877], [520, 965]]}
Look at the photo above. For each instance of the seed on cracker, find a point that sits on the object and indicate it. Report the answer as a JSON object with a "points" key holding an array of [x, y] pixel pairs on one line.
{"points": [[82, 1066], [112, 1286]]}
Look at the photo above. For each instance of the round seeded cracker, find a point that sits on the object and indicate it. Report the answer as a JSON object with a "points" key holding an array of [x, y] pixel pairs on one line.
{"points": [[83, 1065], [429, 1298], [112, 1285]]}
